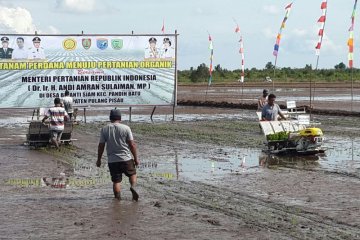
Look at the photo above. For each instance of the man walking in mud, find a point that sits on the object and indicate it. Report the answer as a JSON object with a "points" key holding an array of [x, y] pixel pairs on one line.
{"points": [[121, 153], [57, 115]]}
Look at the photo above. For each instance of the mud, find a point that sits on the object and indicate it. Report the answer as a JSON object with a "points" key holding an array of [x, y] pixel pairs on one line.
{"points": [[200, 178]]}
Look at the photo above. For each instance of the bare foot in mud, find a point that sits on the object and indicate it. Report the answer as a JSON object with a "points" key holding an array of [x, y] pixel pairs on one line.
{"points": [[118, 196], [135, 195]]}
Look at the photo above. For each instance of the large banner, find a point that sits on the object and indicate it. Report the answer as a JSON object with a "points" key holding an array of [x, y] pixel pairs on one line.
{"points": [[96, 70]]}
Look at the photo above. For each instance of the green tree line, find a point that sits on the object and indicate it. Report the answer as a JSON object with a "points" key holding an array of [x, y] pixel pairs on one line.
{"points": [[339, 73]]}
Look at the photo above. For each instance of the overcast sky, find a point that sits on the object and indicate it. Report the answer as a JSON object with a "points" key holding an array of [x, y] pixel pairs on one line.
{"points": [[259, 21]]}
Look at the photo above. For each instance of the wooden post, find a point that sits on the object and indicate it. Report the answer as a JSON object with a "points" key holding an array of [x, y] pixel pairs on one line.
{"points": [[85, 115], [151, 117], [176, 79], [130, 109]]}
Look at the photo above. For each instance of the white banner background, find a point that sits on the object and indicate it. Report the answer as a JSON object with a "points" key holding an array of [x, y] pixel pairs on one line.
{"points": [[114, 70]]}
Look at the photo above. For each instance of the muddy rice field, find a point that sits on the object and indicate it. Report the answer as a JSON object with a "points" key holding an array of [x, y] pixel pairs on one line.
{"points": [[202, 176]]}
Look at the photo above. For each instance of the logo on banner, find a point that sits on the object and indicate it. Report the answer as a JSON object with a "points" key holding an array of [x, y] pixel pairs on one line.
{"points": [[69, 44], [102, 43], [117, 44], [86, 42]]}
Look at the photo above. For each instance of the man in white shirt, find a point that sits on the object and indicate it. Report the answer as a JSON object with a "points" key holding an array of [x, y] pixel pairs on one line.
{"points": [[36, 52], [167, 50], [20, 52], [67, 102], [152, 52]]}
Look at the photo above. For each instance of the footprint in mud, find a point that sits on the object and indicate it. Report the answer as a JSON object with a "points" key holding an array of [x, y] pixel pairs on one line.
{"points": [[208, 219], [214, 222]]}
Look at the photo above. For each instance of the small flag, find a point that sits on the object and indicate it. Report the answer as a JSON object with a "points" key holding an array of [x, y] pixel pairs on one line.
{"points": [[163, 27], [324, 5], [322, 19], [237, 29]]}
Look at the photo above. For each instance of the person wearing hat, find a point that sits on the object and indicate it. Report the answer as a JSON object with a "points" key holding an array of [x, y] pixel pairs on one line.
{"points": [[5, 51], [121, 153], [152, 51], [263, 100], [36, 52], [167, 51], [20, 52]]}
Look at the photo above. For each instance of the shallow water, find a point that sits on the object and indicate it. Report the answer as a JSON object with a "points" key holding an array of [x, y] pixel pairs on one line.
{"points": [[12, 122], [342, 156]]}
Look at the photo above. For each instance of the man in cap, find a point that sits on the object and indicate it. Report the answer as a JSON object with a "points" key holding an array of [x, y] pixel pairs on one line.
{"points": [[121, 153], [263, 100], [36, 52], [5, 51], [167, 50], [20, 52], [152, 51]]}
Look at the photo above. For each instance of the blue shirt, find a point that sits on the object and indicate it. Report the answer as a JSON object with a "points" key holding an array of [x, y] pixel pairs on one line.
{"points": [[270, 113]]}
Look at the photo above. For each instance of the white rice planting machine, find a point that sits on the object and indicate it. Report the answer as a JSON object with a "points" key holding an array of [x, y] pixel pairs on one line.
{"points": [[296, 136]]}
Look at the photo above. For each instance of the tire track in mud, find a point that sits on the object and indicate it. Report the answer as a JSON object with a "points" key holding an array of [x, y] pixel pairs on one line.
{"points": [[293, 221], [328, 172]]}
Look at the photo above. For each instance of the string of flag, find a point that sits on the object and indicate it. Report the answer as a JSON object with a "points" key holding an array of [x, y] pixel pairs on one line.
{"points": [[321, 22], [241, 51], [278, 37], [351, 38], [211, 47]]}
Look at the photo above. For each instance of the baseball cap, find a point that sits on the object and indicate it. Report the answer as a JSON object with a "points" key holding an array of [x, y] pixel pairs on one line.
{"points": [[115, 114]]}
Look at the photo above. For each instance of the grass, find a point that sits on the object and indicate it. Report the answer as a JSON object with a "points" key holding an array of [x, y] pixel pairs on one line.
{"points": [[237, 133], [224, 132]]}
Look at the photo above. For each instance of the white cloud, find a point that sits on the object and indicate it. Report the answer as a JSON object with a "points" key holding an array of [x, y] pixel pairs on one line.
{"points": [[79, 6], [269, 33], [53, 30], [16, 20], [328, 45], [199, 11], [299, 32], [272, 9]]}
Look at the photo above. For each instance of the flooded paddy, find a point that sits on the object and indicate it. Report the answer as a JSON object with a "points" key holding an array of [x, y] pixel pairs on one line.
{"points": [[342, 153], [205, 171], [342, 156]]}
